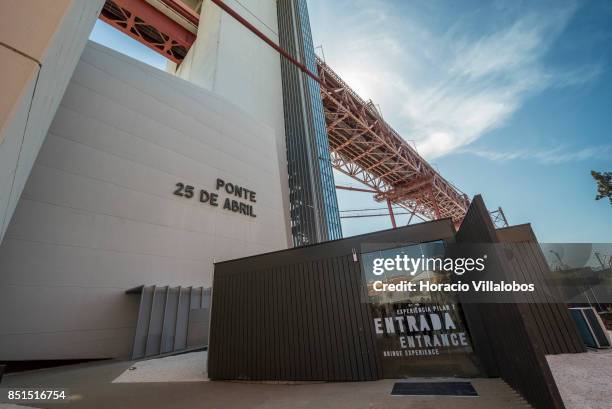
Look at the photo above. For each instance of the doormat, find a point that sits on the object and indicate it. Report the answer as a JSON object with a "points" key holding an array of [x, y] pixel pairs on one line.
{"points": [[434, 388]]}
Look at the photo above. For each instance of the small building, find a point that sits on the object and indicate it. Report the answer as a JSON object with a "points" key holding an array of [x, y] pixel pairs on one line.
{"points": [[313, 313]]}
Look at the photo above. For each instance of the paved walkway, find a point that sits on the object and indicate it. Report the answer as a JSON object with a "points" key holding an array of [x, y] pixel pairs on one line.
{"points": [[92, 387], [178, 368], [584, 380]]}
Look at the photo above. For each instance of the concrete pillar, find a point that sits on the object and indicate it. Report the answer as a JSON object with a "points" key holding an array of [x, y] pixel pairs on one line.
{"points": [[40, 43], [231, 61]]}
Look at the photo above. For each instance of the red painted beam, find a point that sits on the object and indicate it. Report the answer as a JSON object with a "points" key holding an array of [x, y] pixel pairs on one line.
{"points": [[183, 10], [267, 40], [356, 189], [391, 213], [149, 26]]}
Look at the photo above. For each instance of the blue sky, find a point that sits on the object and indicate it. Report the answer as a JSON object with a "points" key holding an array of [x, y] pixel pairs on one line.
{"points": [[512, 100]]}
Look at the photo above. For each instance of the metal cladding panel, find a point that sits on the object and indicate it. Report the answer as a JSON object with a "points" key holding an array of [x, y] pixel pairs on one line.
{"points": [[556, 330], [505, 334], [144, 315], [196, 297], [182, 320], [298, 314], [314, 207], [169, 323], [197, 334], [303, 321], [170, 319], [156, 321]]}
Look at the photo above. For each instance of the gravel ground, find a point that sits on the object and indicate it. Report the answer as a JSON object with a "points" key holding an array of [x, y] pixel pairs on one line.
{"points": [[584, 380], [178, 368]]}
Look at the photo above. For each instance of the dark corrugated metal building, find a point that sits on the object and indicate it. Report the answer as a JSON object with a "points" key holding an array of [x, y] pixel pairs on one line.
{"points": [[310, 313]]}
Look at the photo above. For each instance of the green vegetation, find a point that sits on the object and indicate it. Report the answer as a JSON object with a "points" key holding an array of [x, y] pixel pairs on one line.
{"points": [[604, 184]]}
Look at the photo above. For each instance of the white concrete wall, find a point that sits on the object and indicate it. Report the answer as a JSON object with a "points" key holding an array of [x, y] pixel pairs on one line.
{"points": [[40, 44], [234, 63], [98, 215]]}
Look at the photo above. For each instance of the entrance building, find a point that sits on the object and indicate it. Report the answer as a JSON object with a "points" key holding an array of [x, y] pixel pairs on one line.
{"points": [[312, 313]]}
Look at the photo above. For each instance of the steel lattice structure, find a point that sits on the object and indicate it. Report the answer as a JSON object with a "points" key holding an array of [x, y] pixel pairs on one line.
{"points": [[146, 24], [366, 148], [363, 146]]}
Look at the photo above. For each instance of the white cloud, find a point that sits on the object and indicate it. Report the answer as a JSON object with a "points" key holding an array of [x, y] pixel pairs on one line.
{"points": [[552, 156], [443, 87]]}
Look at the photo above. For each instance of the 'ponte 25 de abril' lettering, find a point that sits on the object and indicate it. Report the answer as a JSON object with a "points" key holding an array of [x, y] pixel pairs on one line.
{"points": [[244, 206]]}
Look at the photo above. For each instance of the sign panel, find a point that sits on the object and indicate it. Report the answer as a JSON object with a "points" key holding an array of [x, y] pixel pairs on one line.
{"points": [[241, 200], [422, 340], [418, 333]]}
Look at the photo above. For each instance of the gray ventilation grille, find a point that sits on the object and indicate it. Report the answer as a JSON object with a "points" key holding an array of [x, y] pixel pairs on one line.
{"points": [[170, 319]]}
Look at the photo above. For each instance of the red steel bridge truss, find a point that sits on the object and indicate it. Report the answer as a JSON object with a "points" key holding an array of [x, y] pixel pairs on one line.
{"points": [[362, 145], [170, 30]]}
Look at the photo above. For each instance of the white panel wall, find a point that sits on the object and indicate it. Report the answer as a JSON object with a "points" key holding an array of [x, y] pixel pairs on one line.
{"points": [[234, 63], [40, 44], [98, 215]]}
